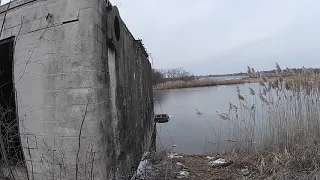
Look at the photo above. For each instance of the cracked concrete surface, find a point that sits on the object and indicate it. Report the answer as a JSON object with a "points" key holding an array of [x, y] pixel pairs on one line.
{"points": [[61, 65]]}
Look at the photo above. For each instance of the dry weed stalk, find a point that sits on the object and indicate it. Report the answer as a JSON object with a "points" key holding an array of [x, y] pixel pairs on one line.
{"points": [[283, 121]]}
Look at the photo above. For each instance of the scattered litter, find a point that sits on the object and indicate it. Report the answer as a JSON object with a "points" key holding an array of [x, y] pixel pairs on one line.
{"points": [[220, 162], [174, 155], [245, 172], [183, 174], [210, 158], [179, 164]]}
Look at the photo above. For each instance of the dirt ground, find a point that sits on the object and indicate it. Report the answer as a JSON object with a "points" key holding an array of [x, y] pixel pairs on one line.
{"points": [[196, 167], [271, 166]]}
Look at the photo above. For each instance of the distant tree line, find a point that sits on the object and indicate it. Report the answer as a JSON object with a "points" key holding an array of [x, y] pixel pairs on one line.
{"points": [[176, 74], [283, 72], [180, 74]]}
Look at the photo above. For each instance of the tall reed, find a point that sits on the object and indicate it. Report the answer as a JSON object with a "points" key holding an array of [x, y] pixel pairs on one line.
{"points": [[281, 118]]}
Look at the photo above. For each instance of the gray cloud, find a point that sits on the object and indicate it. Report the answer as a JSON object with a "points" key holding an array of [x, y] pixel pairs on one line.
{"points": [[4, 1], [218, 36]]}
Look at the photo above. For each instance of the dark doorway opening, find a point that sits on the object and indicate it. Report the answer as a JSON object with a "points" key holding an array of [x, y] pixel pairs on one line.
{"points": [[10, 143]]}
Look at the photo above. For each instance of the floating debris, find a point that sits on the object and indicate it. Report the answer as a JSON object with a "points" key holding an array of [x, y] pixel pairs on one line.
{"points": [[161, 118]]}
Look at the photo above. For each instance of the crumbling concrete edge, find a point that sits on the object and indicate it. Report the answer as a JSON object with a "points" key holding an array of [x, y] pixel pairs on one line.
{"points": [[145, 154]]}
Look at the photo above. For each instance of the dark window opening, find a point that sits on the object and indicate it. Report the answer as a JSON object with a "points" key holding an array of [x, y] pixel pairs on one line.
{"points": [[117, 28], [8, 118]]}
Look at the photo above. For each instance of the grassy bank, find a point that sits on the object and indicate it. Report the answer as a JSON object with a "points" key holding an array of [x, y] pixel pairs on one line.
{"points": [[198, 83], [208, 82]]}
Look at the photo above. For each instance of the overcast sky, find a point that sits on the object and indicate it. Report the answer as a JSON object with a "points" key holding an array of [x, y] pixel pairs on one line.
{"points": [[225, 36], [4, 1]]}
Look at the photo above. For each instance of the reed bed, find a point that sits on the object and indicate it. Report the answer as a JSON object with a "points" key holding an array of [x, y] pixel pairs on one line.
{"points": [[276, 128], [197, 83], [209, 82]]}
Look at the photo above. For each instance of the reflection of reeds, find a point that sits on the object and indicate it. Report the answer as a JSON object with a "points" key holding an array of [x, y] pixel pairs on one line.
{"points": [[284, 120]]}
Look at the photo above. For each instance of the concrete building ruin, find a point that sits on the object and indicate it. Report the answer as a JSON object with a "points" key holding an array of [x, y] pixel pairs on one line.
{"points": [[75, 91]]}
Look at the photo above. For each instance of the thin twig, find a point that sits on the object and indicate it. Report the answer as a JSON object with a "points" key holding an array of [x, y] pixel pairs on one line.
{"points": [[79, 142], [4, 154]]}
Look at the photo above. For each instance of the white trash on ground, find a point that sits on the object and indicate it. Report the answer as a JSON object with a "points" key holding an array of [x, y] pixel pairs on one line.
{"points": [[245, 172], [174, 155], [218, 162], [179, 164], [183, 174]]}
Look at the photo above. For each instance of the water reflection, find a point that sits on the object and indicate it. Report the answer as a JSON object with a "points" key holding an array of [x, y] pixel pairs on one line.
{"points": [[195, 126]]}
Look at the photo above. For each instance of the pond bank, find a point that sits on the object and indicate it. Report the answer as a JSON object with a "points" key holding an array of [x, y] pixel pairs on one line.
{"points": [[204, 83], [209, 82], [196, 167], [262, 165]]}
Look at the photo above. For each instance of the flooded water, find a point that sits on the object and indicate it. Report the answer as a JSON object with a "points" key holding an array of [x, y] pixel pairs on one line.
{"points": [[195, 126]]}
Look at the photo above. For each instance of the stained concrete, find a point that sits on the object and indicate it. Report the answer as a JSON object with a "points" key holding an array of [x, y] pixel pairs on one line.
{"points": [[66, 73]]}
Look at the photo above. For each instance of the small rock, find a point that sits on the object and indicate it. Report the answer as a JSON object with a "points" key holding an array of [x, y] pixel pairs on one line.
{"points": [[245, 172], [179, 164], [185, 168], [183, 174]]}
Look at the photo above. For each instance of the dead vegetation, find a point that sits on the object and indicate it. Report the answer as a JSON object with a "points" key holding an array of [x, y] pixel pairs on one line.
{"points": [[208, 82], [266, 165], [197, 83], [276, 128], [274, 132]]}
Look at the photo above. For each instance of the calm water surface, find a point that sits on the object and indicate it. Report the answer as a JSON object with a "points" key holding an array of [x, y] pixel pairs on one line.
{"points": [[195, 133]]}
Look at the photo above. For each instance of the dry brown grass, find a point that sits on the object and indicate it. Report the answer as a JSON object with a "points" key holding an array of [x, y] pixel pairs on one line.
{"points": [[207, 82], [198, 83], [264, 165], [277, 127]]}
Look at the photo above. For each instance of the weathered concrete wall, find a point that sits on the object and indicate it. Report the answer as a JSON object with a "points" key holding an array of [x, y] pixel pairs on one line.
{"points": [[68, 80]]}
